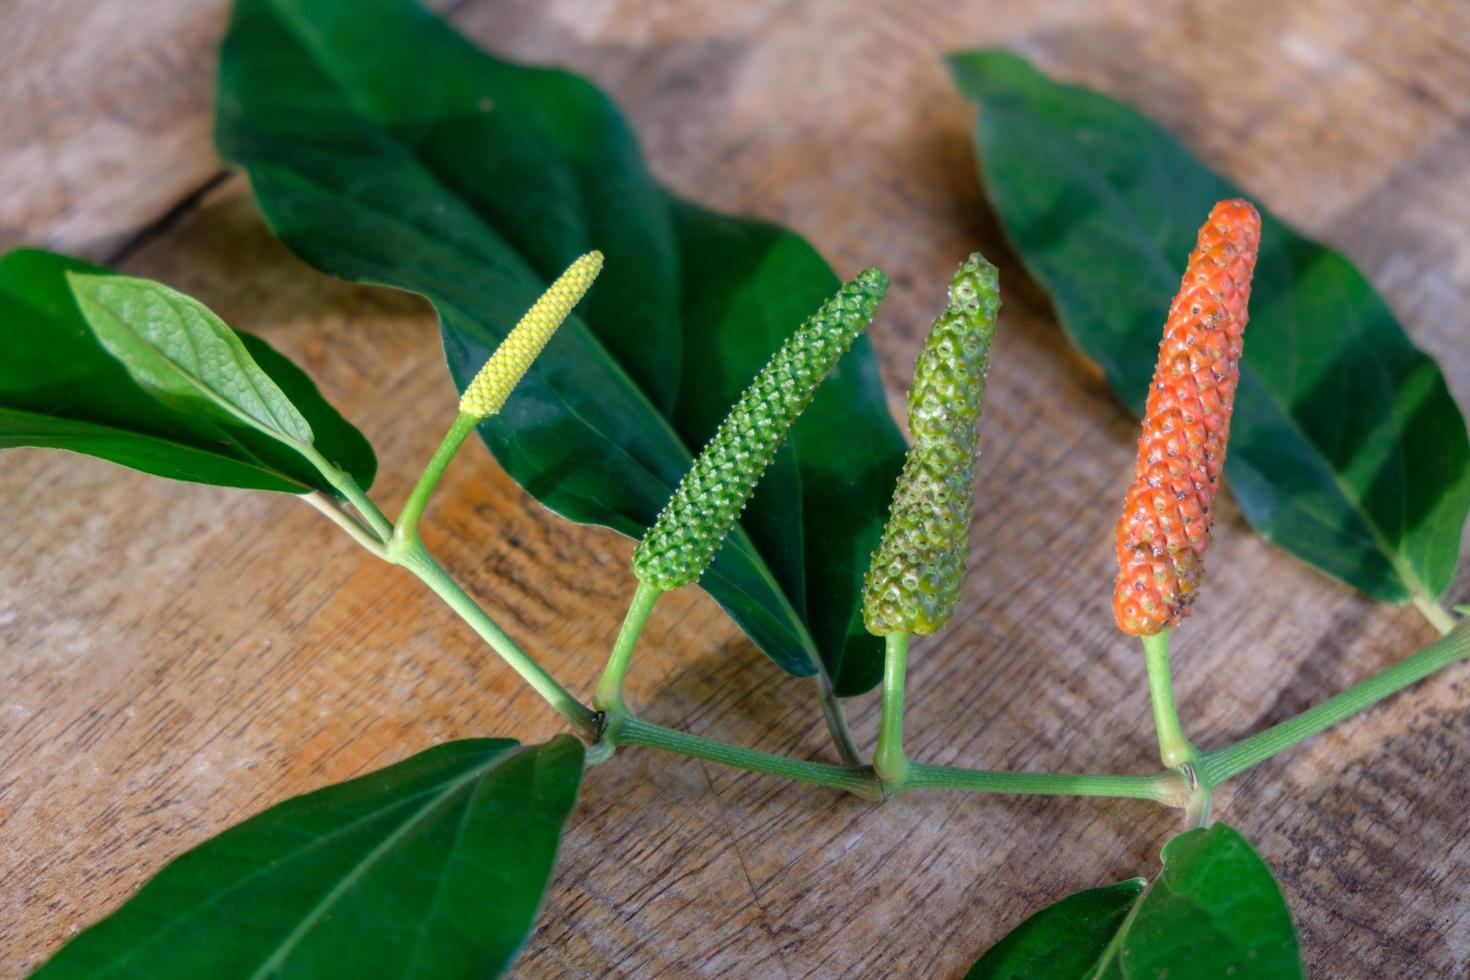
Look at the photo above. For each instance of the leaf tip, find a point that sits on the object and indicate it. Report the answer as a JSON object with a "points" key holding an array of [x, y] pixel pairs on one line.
{"points": [[82, 282]]}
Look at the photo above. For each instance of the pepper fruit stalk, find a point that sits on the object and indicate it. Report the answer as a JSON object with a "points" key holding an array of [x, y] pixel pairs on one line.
{"points": [[704, 507], [914, 578]]}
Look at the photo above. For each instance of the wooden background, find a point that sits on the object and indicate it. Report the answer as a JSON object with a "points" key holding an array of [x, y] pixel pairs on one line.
{"points": [[174, 658]]}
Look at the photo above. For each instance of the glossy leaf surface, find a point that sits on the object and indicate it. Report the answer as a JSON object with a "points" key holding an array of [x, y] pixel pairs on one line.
{"points": [[184, 355], [1063, 941], [433, 867], [383, 147], [60, 387], [1346, 448], [1214, 912]]}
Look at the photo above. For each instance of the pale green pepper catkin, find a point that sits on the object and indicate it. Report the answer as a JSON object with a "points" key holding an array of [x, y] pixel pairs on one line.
{"points": [[914, 579], [707, 502], [486, 394]]}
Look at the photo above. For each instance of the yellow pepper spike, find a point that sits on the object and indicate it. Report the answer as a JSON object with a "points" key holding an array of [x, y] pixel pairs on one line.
{"points": [[497, 379]]}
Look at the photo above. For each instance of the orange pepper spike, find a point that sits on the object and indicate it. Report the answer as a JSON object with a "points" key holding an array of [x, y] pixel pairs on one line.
{"points": [[1168, 512]]}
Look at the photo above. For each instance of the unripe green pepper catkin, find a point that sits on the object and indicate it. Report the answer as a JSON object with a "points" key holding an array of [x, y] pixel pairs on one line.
{"points": [[707, 502], [914, 579]]}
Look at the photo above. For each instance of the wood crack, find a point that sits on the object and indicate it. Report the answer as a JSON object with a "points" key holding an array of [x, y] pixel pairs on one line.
{"points": [[165, 222]]}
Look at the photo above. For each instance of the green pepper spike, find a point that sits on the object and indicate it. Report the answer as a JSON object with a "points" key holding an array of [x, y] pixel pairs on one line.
{"points": [[704, 507], [914, 579]]}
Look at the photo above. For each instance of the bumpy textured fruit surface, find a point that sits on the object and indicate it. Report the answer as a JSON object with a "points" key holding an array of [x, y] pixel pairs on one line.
{"points": [[914, 578], [1167, 515], [487, 393], [707, 502]]}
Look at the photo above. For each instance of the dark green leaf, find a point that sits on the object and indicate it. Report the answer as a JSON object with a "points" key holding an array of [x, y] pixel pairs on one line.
{"points": [[60, 388], [384, 148], [1213, 913], [1064, 941], [1346, 448], [433, 867]]}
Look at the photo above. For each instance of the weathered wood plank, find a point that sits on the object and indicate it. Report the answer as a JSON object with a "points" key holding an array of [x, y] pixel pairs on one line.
{"points": [[174, 658]]}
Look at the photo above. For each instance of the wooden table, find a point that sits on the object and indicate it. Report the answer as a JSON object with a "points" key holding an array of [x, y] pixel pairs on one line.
{"points": [[174, 658]]}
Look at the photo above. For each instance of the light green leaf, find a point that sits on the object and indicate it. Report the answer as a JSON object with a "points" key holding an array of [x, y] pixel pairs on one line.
{"points": [[61, 389], [183, 354]]}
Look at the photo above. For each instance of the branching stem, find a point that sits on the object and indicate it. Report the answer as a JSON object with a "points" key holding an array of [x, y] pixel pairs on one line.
{"points": [[582, 718], [348, 489], [1170, 787], [1187, 782], [1222, 764], [861, 781], [401, 545], [406, 531]]}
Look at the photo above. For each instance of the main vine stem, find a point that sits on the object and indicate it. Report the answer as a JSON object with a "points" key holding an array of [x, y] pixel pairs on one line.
{"points": [[1222, 764], [1182, 786], [578, 715], [1169, 787]]}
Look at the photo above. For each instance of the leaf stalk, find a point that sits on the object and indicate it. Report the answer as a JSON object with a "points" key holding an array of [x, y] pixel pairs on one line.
{"points": [[836, 720], [1438, 617]]}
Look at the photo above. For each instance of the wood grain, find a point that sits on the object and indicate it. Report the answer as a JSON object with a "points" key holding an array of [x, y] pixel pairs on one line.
{"points": [[174, 658]]}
